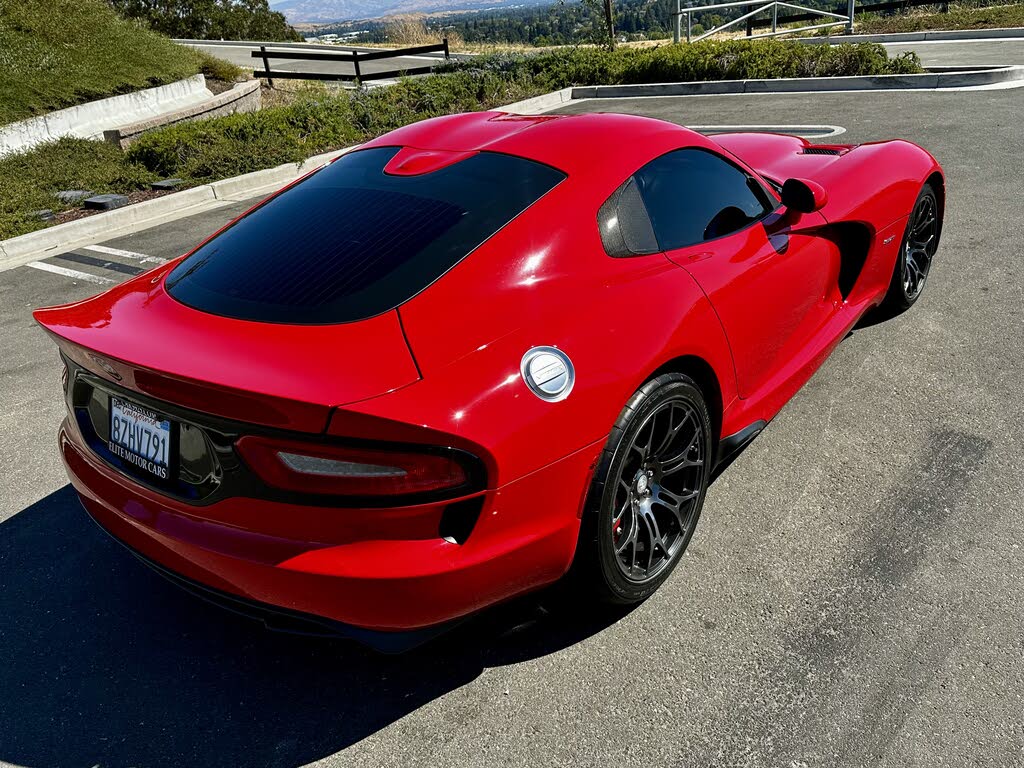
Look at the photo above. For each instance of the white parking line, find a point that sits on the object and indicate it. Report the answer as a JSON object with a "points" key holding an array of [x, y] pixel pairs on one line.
{"points": [[125, 254], [73, 273]]}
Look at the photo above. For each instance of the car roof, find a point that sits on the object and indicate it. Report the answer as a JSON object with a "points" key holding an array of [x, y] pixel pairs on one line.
{"points": [[575, 144]]}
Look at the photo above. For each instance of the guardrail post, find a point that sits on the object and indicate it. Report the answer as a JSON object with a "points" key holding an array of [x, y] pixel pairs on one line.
{"points": [[775, 17], [266, 65], [849, 12], [750, 21], [677, 28], [355, 63], [445, 41], [689, 25]]}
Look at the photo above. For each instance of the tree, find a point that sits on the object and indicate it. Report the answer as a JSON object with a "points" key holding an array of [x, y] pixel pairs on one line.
{"points": [[603, 20], [210, 19]]}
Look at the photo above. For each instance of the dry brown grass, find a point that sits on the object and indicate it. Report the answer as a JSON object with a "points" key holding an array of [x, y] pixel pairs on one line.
{"points": [[412, 30]]}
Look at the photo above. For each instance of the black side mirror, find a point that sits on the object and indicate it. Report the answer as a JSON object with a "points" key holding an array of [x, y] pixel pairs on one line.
{"points": [[804, 195]]}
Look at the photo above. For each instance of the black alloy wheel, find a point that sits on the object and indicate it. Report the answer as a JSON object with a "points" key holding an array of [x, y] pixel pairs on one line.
{"points": [[650, 484], [920, 242]]}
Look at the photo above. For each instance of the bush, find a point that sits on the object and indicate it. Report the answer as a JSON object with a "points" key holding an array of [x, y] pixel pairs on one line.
{"points": [[57, 53], [219, 69], [226, 146], [30, 179], [212, 149], [957, 18], [707, 60]]}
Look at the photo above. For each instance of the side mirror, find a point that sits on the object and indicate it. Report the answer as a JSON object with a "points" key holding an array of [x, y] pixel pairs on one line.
{"points": [[804, 195]]}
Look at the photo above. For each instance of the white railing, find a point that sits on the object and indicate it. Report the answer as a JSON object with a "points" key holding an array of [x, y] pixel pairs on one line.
{"points": [[759, 6]]}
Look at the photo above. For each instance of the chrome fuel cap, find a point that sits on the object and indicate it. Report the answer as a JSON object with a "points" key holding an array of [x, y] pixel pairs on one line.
{"points": [[548, 373]]}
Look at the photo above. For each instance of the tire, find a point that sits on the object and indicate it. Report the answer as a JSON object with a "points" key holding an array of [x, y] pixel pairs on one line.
{"points": [[633, 537], [920, 241]]}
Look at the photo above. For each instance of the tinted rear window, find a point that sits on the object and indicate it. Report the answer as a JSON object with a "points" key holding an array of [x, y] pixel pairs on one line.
{"points": [[351, 242]]}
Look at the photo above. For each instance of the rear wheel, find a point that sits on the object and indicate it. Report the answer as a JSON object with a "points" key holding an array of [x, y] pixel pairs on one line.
{"points": [[920, 240], [648, 490]]}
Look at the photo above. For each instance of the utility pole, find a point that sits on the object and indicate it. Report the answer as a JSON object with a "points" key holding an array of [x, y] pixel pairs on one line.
{"points": [[611, 24]]}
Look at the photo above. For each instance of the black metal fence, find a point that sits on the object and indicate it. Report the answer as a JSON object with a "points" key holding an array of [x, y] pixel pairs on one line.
{"points": [[355, 58]]}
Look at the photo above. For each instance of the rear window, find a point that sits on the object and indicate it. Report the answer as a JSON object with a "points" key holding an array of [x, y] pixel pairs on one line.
{"points": [[351, 242]]}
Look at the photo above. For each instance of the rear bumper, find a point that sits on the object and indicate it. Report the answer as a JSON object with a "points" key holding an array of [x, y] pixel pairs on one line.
{"points": [[347, 566]]}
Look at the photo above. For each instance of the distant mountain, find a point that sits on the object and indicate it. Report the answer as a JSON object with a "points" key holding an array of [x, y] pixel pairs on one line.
{"points": [[301, 11]]}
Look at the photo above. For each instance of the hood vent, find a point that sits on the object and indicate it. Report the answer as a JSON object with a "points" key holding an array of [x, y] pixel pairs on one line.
{"points": [[821, 151]]}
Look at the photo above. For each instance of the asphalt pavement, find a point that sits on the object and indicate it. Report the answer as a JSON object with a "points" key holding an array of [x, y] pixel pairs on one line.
{"points": [[853, 594], [960, 53]]}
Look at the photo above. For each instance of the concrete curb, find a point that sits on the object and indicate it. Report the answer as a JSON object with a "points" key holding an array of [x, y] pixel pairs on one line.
{"points": [[937, 78], [917, 37], [133, 218], [539, 104]]}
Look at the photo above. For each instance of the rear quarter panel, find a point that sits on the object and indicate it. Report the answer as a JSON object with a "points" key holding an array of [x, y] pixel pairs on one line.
{"points": [[546, 280]]}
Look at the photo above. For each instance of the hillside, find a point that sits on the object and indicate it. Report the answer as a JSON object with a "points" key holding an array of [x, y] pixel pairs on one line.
{"points": [[57, 53], [320, 11]]}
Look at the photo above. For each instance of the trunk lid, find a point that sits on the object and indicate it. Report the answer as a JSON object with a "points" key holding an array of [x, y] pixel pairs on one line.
{"points": [[285, 376]]}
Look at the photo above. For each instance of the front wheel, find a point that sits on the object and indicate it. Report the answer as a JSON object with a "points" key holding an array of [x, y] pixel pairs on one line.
{"points": [[920, 241], [649, 488]]}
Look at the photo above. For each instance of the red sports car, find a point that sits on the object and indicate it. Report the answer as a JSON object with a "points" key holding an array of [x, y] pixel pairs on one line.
{"points": [[474, 354]]}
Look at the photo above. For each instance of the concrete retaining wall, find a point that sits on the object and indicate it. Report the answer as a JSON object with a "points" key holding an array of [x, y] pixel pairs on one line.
{"points": [[244, 97], [89, 121]]}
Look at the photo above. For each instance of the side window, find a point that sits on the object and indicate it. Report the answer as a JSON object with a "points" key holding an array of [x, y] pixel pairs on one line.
{"points": [[694, 195]]}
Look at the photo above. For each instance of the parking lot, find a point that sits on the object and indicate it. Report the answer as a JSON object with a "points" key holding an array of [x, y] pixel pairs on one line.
{"points": [[852, 595]]}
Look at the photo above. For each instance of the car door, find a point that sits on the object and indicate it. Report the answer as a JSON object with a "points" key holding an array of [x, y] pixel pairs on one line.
{"points": [[772, 280]]}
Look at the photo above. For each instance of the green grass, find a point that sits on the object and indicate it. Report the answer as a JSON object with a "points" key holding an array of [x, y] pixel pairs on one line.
{"points": [[219, 69], [957, 18], [57, 53], [320, 120]]}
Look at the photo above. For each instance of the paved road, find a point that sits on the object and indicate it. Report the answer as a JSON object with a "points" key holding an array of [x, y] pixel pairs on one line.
{"points": [[961, 53], [241, 55], [852, 596]]}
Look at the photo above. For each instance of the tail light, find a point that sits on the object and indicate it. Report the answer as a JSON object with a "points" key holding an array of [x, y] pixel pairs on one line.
{"points": [[352, 471]]}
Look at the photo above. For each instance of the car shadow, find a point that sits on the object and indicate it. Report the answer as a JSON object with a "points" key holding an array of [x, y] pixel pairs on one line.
{"points": [[102, 662]]}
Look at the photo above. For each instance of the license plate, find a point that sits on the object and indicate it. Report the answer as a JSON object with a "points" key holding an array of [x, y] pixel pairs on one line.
{"points": [[140, 437]]}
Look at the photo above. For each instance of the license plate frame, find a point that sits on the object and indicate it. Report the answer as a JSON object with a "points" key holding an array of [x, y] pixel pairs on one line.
{"points": [[142, 439]]}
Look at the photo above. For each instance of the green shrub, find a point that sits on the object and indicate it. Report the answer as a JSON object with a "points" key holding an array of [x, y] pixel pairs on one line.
{"points": [[707, 60], [956, 18], [219, 69], [206, 150], [28, 180], [212, 149], [57, 53]]}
